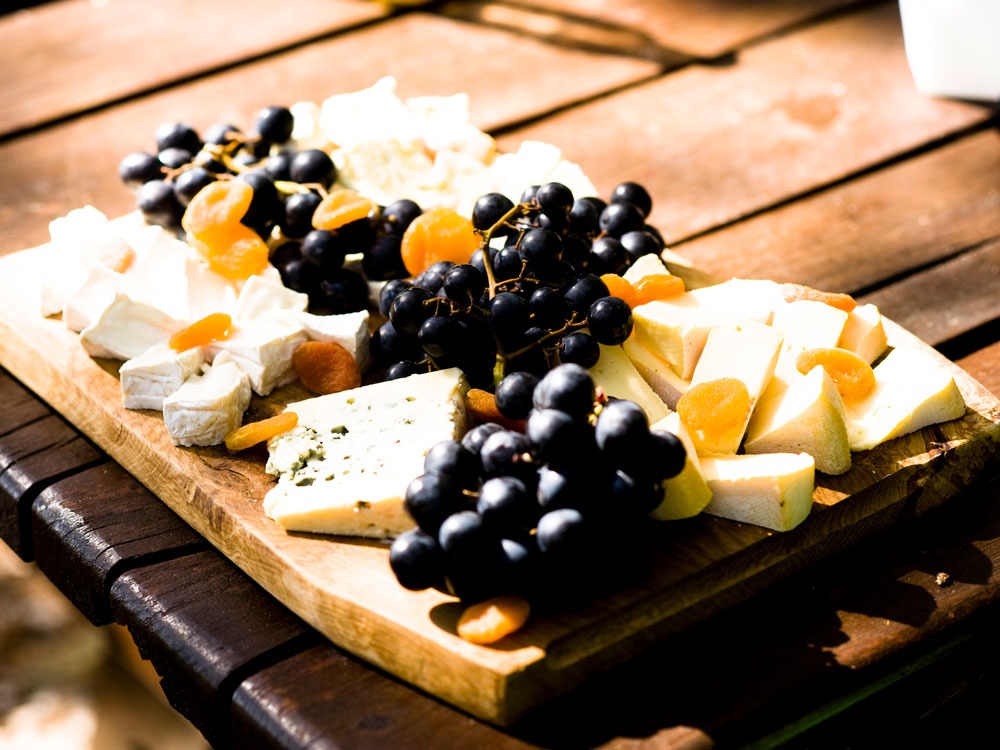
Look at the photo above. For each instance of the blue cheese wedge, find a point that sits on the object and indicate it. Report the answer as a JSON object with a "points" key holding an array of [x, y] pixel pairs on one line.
{"points": [[345, 468], [209, 405], [152, 376]]}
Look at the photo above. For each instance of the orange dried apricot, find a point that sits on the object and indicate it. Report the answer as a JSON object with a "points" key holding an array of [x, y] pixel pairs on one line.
{"points": [[620, 287], [658, 286], [794, 292], [341, 207], [435, 235], [251, 434], [325, 367], [488, 621], [219, 203], [234, 251], [481, 406], [214, 327], [852, 375], [715, 406]]}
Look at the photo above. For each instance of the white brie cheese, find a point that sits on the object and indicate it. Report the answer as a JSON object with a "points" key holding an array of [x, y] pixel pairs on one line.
{"points": [[208, 405], [350, 330], [263, 351], [127, 328], [345, 468], [152, 376]]}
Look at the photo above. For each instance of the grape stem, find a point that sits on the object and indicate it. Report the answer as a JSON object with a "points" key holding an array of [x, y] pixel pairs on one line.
{"points": [[519, 209]]}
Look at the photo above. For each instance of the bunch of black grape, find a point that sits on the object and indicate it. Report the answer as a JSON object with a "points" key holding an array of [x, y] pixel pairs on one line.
{"points": [[530, 298], [288, 185], [551, 511]]}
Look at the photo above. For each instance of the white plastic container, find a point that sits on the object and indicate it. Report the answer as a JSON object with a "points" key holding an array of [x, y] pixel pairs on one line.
{"points": [[953, 47]]}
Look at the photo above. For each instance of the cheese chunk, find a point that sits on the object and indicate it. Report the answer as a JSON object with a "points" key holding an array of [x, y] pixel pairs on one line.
{"points": [[806, 417], [615, 374], [155, 374], [676, 329], [773, 490], [265, 298], [649, 264], [864, 333], [264, 352], [911, 391], [804, 324], [346, 466], [98, 291], [686, 494], [350, 330], [208, 405], [745, 351], [126, 328], [666, 383]]}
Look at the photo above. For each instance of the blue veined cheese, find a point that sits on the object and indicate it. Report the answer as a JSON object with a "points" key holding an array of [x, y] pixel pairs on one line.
{"points": [[160, 371], [209, 405], [345, 468]]}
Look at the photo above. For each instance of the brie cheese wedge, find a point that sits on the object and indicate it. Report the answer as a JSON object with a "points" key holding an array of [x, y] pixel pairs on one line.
{"points": [[209, 405], [155, 374], [127, 328]]}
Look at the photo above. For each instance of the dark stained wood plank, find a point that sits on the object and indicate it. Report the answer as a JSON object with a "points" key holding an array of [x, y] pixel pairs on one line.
{"points": [[947, 300], [74, 164], [204, 626], [31, 458], [89, 528], [323, 698], [61, 58], [705, 29], [20, 406], [869, 230], [714, 144]]}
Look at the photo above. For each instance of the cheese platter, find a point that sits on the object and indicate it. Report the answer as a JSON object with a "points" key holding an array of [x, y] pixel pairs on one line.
{"points": [[695, 564]]}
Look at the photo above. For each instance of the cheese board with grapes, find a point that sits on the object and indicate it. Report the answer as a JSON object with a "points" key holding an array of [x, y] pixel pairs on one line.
{"points": [[470, 420]]}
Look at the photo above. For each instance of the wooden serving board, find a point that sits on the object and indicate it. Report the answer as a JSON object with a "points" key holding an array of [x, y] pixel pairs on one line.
{"points": [[344, 588]]}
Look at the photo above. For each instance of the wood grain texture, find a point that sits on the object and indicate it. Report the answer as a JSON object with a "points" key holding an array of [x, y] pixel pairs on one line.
{"points": [[62, 57], [866, 232], [714, 144], [706, 29], [91, 527], [45, 175], [346, 591], [238, 629]]}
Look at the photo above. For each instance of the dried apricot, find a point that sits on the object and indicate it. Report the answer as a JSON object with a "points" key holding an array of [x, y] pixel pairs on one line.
{"points": [[325, 367], [435, 235], [794, 292], [620, 287], [490, 620], [658, 286], [852, 375], [481, 406], [341, 207], [234, 251], [715, 407], [251, 434], [219, 203], [214, 327]]}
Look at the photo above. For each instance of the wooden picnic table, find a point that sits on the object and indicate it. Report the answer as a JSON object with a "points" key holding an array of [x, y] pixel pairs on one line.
{"points": [[780, 140]]}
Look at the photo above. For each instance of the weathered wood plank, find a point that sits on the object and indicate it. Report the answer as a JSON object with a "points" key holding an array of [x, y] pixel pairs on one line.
{"points": [[20, 405], [874, 228], [984, 365], [62, 58], [204, 626], [74, 164], [714, 144], [706, 29], [89, 528], [31, 458]]}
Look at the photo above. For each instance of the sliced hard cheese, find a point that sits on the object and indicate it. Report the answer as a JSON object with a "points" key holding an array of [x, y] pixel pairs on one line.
{"points": [[686, 494], [864, 333], [804, 324], [773, 490], [676, 329], [807, 417], [615, 374], [745, 351], [649, 264], [345, 468], [911, 391], [666, 383]]}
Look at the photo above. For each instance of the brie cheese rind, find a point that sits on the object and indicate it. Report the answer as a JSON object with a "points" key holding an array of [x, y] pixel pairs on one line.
{"points": [[209, 405], [345, 468], [155, 374], [127, 328], [264, 352], [350, 330]]}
